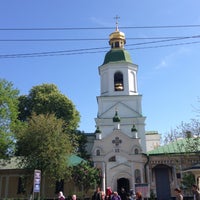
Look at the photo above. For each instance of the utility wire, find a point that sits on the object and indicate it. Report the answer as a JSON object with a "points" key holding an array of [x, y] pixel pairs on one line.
{"points": [[91, 50], [52, 52], [165, 45], [75, 52], [98, 28], [88, 39], [173, 39]]}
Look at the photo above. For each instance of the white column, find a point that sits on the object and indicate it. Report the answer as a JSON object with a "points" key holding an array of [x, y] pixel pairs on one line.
{"points": [[132, 177], [142, 174]]}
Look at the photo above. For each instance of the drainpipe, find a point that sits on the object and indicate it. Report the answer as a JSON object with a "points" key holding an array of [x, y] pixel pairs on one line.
{"points": [[145, 171]]}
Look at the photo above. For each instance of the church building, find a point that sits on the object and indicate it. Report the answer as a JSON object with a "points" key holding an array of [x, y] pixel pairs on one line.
{"points": [[128, 156], [119, 148]]}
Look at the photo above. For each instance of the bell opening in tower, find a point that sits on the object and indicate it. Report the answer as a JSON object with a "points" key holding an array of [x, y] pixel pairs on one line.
{"points": [[118, 81]]}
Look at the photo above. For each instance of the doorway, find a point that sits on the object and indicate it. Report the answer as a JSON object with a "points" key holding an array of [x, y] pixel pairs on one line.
{"points": [[123, 183], [162, 173]]}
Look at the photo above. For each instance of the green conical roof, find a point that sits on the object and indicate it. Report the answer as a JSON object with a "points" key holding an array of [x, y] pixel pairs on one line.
{"points": [[116, 118], [98, 130], [133, 128], [116, 55]]}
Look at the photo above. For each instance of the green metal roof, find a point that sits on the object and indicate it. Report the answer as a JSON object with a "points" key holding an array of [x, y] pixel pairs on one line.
{"points": [[115, 55], [74, 160], [178, 146]]}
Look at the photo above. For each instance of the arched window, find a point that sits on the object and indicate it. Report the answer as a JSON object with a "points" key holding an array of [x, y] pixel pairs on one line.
{"points": [[118, 81], [117, 44], [112, 159], [137, 176], [136, 151], [97, 152]]}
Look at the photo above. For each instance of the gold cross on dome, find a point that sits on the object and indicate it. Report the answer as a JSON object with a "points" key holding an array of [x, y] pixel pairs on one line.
{"points": [[117, 18]]}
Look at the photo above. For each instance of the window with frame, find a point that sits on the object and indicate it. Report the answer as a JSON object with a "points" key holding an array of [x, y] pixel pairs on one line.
{"points": [[112, 159], [137, 176], [118, 81], [136, 151], [98, 152]]}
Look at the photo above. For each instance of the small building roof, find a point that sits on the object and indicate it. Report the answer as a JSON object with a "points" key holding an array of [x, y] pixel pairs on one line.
{"points": [[74, 160], [13, 163], [178, 146], [193, 168]]}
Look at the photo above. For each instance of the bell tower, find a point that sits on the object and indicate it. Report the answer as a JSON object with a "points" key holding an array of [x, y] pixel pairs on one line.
{"points": [[118, 78], [119, 144]]}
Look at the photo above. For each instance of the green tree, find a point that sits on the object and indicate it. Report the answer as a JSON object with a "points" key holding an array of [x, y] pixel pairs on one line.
{"points": [[79, 140], [44, 145], [46, 98], [187, 181], [152, 195], [86, 176], [189, 132], [8, 117]]}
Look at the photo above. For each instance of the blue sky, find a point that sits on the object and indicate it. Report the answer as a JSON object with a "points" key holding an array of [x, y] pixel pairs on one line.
{"points": [[168, 77]]}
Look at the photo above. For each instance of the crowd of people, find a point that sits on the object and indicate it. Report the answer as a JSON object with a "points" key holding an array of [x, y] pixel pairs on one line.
{"points": [[62, 197], [108, 195], [131, 195], [196, 193], [114, 195]]}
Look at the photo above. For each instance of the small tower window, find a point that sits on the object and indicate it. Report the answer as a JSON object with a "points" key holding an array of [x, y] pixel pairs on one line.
{"points": [[116, 44], [136, 151], [97, 152], [112, 159], [118, 81], [137, 176]]}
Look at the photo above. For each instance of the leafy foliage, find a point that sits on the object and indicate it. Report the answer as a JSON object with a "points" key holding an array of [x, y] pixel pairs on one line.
{"points": [[8, 117], [189, 132], [187, 181], [79, 140], [46, 98], [44, 145], [152, 195], [86, 176]]}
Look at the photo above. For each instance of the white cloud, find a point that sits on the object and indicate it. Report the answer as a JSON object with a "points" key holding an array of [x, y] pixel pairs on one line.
{"points": [[169, 60], [162, 64]]}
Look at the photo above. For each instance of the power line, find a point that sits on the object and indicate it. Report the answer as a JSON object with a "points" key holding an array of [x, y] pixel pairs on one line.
{"points": [[99, 28], [89, 39], [165, 45], [51, 40], [91, 50], [75, 52], [167, 40], [52, 52]]}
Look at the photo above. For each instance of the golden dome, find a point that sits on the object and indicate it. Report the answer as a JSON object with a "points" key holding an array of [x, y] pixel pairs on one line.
{"points": [[117, 35], [117, 38]]}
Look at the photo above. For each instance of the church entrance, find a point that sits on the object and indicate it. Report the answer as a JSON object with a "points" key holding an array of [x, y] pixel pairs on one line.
{"points": [[123, 183]]}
